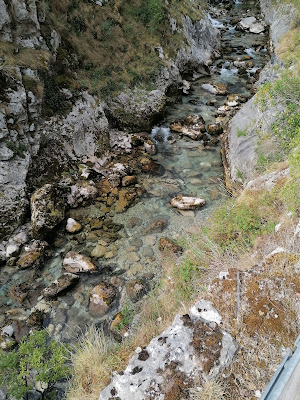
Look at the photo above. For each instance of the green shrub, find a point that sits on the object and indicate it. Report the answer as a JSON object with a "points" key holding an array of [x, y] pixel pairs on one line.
{"points": [[37, 359], [150, 13]]}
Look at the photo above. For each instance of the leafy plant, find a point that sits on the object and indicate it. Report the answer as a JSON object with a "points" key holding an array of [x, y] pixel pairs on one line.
{"points": [[37, 359], [127, 317]]}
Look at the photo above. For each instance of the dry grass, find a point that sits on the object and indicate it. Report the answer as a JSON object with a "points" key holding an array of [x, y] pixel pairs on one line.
{"points": [[97, 357], [263, 316], [211, 390]]}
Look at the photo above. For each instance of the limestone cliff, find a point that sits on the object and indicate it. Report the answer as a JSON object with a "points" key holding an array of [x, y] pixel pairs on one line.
{"points": [[242, 145]]}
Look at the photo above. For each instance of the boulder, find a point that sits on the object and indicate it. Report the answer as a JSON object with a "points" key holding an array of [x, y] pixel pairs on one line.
{"points": [[63, 283], [136, 289], [30, 259], [246, 23], [47, 209], [20, 292], [75, 262], [150, 147], [257, 28], [137, 109], [169, 245], [186, 202], [193, 349], [128, 180], [215, 129], [216, 88], [101, 298], [192, 126], [126, 198]]}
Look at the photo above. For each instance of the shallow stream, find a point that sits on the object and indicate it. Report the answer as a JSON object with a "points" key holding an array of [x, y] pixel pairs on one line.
{"points": [[187, 167]]}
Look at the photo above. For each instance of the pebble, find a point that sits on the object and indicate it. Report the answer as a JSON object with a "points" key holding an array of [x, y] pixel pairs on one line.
{"points": [[110, 254], [150, 240], [136, 242], [147, 252], [137, 268], [131, 249], [133, 257], [99, 251]]}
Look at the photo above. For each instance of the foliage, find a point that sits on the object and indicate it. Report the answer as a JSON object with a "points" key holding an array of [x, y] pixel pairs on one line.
{"points": [[241, 133], [150, 13], [127, 317], [37, 359], [290, 193], [237, 224], [17, 148]]}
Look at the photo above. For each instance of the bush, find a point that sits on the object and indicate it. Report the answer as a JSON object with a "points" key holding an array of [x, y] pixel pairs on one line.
{"points": [[37, 359], [150, 13]]}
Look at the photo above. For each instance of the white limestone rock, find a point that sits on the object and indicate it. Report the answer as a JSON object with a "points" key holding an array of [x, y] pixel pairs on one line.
{"points": [[182, 348]]}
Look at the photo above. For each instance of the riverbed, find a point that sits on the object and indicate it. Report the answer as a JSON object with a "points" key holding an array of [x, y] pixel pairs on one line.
{"points": [[186, 167]]}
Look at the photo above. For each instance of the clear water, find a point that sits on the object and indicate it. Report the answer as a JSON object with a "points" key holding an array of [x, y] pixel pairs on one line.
{"points": [[188, 168]]}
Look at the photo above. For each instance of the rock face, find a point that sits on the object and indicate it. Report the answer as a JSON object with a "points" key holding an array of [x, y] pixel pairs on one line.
{"points": [[194, 344], [240, 151]]}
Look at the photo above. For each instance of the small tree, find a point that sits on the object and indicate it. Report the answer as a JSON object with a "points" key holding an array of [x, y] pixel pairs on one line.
{"points": [[38, 363]]}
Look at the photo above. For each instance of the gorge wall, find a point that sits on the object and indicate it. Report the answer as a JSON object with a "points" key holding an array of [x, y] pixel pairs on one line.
{"points": [[69, 70], [242, 151]]}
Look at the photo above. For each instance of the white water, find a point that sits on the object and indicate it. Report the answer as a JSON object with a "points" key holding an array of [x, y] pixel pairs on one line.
{"points": [[160, 131], [215, 23], [251, 52]]}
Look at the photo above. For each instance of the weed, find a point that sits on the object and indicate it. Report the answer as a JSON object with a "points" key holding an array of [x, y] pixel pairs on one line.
{"points": [[17, 148], [241, 133], [240, 175]]}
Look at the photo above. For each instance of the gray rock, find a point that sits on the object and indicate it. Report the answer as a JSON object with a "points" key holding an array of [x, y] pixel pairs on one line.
{"points": [[192, 345], [47, 209]]}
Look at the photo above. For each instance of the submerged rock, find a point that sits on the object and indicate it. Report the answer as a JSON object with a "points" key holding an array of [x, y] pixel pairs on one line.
{"points": [[193, 345], [64, 282], [75, 262], [30, 259], [215, 129], [126, 198], [186, 202]]}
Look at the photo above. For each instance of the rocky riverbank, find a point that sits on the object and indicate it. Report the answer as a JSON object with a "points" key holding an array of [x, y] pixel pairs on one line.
{"points": [[91, 250]]}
